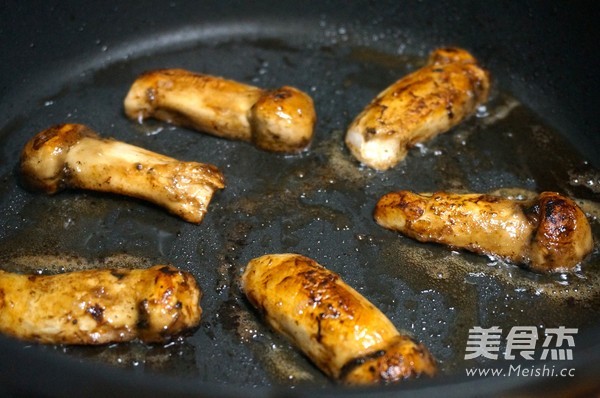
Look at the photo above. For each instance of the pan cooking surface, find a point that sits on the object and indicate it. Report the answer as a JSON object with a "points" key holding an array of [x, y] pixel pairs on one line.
{"points": [[318, 204]]}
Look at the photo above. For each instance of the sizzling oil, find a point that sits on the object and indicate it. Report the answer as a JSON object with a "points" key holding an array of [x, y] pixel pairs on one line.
{"points": [[318, 204]]}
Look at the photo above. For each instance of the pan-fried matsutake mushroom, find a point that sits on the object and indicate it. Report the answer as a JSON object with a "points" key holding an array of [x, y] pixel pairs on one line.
{"points": [[549, 233], [418, 107], [280, 120], [99, 306], [343, 333], [74, 156]]}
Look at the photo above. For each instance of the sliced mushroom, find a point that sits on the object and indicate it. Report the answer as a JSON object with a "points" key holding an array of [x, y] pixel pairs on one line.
{"points": [[547, 234], [74, 156], [280, 120], [99, 306], [418, 107], [343, 333]]}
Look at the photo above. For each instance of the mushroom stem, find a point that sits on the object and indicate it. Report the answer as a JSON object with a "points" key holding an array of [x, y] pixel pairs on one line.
{"points": [[280, 120], [74, 156]]}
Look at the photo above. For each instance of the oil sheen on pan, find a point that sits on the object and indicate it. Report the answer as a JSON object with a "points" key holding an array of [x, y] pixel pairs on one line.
{"points": [[318, 203]]}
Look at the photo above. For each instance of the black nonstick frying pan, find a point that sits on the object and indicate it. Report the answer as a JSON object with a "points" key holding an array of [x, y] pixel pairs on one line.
{"points": [[73, 62]]}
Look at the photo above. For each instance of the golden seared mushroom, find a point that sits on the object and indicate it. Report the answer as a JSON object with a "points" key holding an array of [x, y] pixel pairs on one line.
{"points": [[74, 156], [549, 233], [418, 107], [280, 120], [99, 306], [345, 335]]}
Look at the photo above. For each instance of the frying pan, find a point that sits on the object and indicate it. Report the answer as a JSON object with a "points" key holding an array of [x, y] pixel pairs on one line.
{"points": [[73, 62]]}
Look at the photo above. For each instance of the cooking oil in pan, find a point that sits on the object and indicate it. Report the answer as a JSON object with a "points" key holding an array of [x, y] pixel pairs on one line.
{"points": [[318, 203]]}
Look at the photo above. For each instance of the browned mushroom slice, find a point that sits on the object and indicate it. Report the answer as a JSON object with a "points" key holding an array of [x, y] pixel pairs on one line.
{"points": [[73, 156], [280, 120], [344, 334], [99, 306], [418, 107], [547, 234]]}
